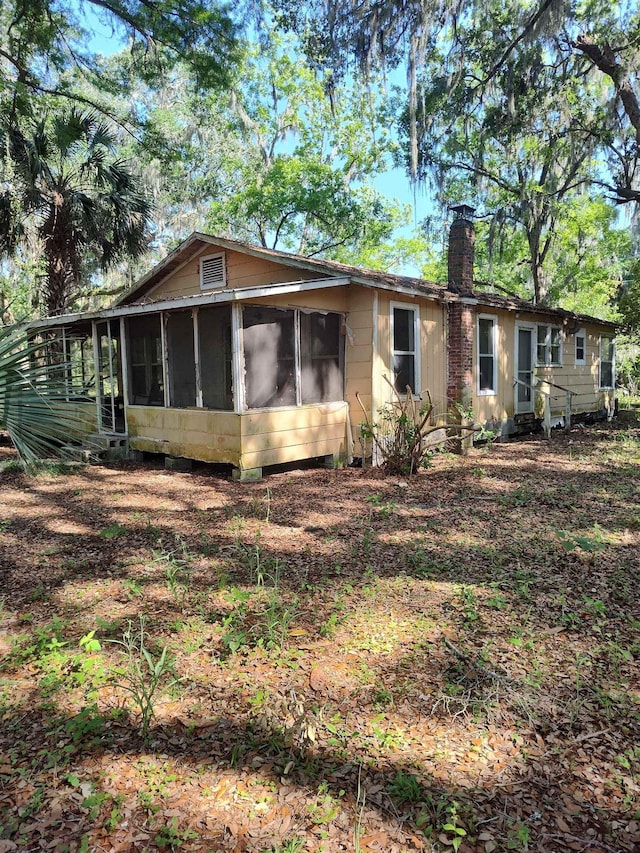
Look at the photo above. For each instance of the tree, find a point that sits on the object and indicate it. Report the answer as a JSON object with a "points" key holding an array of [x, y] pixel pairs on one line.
{"points": [[504, 93], [301, 181], [65, 185], [521, 153], [41, 41]]}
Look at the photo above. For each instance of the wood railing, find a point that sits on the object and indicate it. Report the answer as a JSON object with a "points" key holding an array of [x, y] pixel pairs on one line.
{"points": [[546, 420]]}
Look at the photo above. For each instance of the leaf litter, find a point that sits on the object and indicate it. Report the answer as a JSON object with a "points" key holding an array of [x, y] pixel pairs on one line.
{"points": [[352, 662]]}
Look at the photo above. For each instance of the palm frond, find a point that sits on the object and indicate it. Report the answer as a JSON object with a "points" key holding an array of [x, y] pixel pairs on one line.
{"points": [[33, 403]]}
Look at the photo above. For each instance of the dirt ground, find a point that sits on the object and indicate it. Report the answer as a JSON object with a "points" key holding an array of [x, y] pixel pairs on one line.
{"points": [[325, 660]]}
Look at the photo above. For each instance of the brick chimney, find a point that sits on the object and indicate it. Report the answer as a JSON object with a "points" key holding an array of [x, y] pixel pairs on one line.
{"points": [[460, 314], [461, 249]]}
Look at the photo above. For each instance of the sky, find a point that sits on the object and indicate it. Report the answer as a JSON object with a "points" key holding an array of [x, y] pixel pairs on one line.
{"points": [[393, 183]]}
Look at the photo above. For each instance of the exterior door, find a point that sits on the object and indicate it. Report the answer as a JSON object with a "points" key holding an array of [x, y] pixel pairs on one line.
{"points": [[524, 360]]}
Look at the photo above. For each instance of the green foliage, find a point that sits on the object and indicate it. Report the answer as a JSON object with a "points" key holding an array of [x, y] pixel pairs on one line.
{"points": [[399, 435], [112, 531], [405, 788], [50, 47], [144, 673], [71, 192], [32, 397], [172, 836]]}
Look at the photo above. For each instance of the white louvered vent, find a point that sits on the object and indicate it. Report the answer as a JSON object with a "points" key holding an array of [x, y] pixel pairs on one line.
{"points": [[212, 272]]}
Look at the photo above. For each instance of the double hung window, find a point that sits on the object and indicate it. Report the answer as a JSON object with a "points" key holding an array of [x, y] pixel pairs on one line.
{"points": [[549, 345], [405, 348], [487, 355]]}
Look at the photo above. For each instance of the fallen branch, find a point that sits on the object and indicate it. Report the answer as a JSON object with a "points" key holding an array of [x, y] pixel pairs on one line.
{"points": [[473, 664]]}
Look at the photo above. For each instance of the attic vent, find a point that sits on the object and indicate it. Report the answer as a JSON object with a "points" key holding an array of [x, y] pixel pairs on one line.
{"points": [[212, 272]]}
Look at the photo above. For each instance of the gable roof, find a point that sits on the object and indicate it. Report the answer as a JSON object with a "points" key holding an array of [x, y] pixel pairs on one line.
{"points": [[327, 269], [198, 241]]}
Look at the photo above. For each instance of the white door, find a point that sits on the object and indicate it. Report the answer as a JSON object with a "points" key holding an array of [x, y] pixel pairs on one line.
{"points": [[524, 360]]}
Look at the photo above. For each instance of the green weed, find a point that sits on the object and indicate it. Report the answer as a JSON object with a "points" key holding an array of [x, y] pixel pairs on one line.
{"points": [[112, 531]]}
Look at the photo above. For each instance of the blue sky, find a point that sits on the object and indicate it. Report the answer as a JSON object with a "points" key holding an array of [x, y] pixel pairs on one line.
{"points": [[393, 183]]}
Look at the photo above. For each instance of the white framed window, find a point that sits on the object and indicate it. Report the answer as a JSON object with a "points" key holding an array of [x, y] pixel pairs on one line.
{"points": [[405, 347], [549, 349], [487, 354], [212, 272], [607, 362], [581, 347]]}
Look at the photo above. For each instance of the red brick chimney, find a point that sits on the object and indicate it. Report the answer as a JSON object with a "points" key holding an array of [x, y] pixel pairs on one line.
{"points": [[460, 325], [461, 249]]}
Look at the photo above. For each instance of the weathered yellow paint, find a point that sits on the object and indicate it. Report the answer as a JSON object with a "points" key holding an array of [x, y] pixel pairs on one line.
{"points": [[242, 271], [359, 355], [193, 433], [247, 440], [80, 418], [326, 299], [432, 350], [583, 380]]}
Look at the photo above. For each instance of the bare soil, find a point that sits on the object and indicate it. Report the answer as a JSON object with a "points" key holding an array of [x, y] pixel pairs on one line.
{"points": [[354, 662]]}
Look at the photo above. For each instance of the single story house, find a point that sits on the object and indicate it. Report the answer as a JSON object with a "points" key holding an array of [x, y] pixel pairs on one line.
{"points": [[227, 352]]}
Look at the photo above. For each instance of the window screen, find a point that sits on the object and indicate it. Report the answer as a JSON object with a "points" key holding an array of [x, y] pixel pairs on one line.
{"points": [[321, 348], [214, 332], [269, 355], [181, 360], [549, 345], [145, 361]]}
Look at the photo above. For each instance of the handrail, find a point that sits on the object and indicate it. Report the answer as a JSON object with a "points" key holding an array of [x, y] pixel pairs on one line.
{"points": [[531, 387], [553, 385], [546, 382], [547, 401]]}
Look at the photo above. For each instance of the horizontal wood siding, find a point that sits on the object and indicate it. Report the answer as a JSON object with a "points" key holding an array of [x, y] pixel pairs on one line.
{"points": [[194, 434], [433, 377], [434, 354], [288, 435], [583, 380], [495, 408], [359, 356], [248, 440], [329, 299], [242, 271], [79, 418]]}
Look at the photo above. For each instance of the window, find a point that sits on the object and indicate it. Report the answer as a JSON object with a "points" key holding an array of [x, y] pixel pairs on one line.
{"points": [[549, 345], [607, 362], [181, 359], [487, 355], [321, 356], [581, 347], [292, 356], [214, 335], [145, 360], [212, 272], [405, 356]]}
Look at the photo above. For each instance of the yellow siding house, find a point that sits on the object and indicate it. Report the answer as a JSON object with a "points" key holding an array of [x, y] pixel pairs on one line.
{"points": [[231, 353]]}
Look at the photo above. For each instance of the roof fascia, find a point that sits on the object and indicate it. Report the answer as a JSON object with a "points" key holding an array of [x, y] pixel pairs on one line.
{"points": [[220, 297]]}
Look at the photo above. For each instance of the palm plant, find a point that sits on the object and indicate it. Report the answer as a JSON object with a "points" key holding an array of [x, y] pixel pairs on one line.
{"points": [[63, 181], [31, 398]]}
